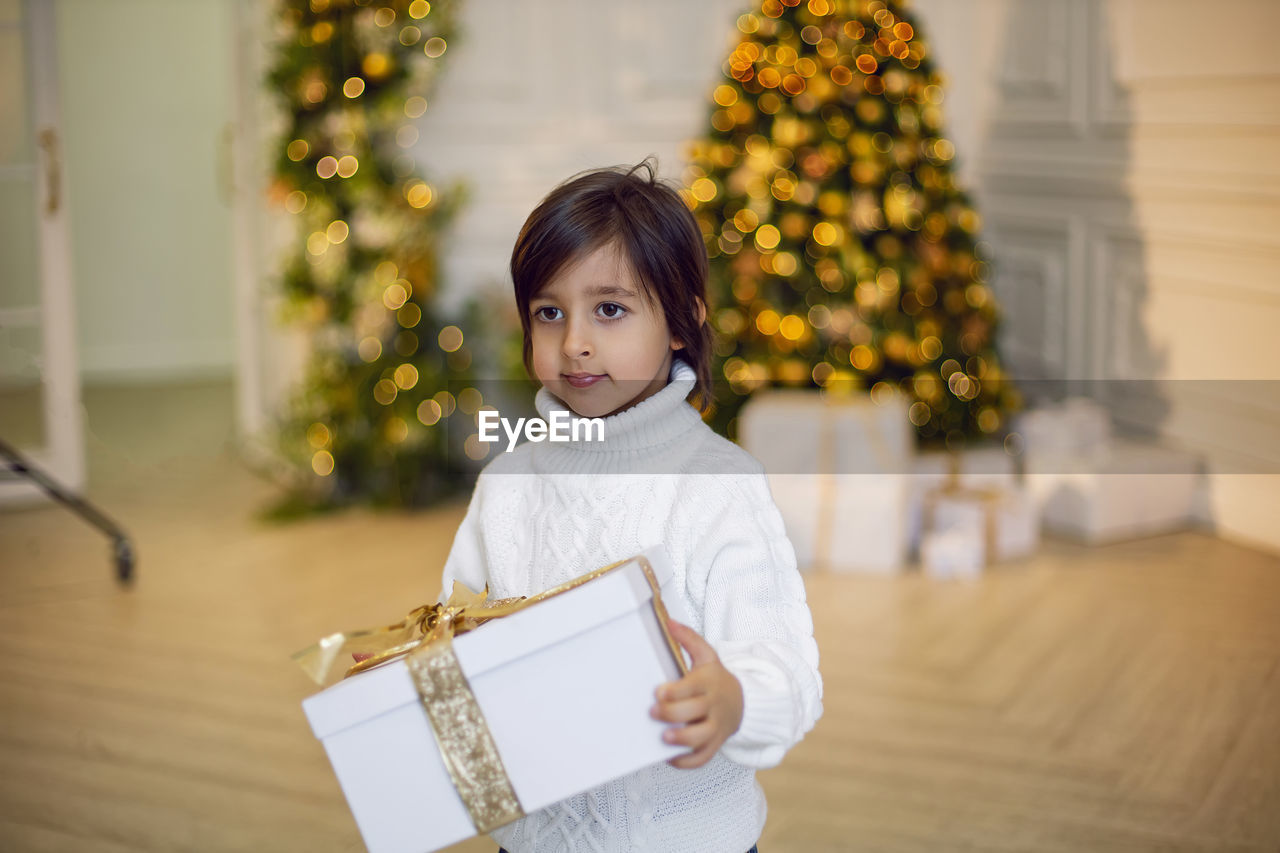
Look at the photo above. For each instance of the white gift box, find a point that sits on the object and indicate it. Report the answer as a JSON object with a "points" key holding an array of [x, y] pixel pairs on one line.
{"points": [[979, 467], [845, 522], [557, 731], [953, 553], [1127, 489], [983, 467], [807, 432], [1074, 425], [836, 468], [1005, 521]]}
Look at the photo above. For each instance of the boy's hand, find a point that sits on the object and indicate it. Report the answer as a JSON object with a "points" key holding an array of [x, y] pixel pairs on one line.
{"points": [[707, 701]]}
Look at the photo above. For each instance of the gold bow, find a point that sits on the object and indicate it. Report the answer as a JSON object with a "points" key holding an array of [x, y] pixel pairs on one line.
{"points": [[463, 611]]}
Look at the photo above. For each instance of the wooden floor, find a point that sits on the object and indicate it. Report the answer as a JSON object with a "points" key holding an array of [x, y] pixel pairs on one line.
{"points": [[1124, 698]]}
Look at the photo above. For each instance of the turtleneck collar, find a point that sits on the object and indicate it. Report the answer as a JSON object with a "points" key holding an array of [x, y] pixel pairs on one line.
{"points": [[641, 439]]}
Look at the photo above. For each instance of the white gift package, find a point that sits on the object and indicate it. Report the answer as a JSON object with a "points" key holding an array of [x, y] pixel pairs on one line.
{"points": [[806, 432], [956, 552], [1005, 520], [845, 522], [836, 469], [983, 467], [564, 686], [1076, 425], [1126, 489]]}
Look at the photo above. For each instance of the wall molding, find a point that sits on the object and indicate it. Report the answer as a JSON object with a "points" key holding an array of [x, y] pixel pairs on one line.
{"points": [[1117, 282], [1035, 281], [1109, 176], [1036, 78]]}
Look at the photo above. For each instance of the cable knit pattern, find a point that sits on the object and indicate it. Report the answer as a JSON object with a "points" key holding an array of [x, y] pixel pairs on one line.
{"points": [[546, 513]]}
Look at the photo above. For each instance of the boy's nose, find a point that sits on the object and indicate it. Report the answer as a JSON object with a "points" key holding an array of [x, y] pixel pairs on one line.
{"points": [[577, 340]]}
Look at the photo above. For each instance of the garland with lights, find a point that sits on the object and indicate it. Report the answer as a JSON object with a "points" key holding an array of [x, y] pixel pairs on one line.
{"points": [[843, 253], [367, 423]]}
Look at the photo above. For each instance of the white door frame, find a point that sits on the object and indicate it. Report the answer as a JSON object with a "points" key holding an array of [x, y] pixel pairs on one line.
{"points": [[62, 455]]}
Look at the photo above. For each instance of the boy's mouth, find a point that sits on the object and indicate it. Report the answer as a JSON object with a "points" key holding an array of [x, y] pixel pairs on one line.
{"points": [[583, 380]]}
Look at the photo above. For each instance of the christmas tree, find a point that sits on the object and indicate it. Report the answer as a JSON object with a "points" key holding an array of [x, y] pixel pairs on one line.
{"points": [[843, 252], [366, 424]]}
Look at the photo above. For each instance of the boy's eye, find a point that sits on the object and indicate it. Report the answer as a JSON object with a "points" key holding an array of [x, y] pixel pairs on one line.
{"points": [[611, 310], [547, 312]]}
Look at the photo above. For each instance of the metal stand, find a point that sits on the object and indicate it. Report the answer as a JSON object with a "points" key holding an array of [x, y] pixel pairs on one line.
{"points": [[122, 553]]}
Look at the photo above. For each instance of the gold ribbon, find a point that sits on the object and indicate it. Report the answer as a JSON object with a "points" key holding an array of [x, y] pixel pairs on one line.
{"points": [[466, 745], [827, 473], [457, 722]]}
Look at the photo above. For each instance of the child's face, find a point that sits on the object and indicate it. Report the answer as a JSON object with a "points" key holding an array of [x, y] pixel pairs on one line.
{"points": [[597, 342]]}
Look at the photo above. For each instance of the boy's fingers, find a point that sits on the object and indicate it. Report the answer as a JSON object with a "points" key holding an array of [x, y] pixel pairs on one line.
{"points": [[694, 735], [682, 711], [694, 759], [686, 688], [700, 650]]}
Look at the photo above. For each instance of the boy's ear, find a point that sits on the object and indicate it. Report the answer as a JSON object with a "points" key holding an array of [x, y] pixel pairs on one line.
{"points": [[676, 343]]}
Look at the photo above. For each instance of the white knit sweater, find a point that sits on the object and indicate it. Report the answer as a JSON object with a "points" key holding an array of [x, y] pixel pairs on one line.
{"points": [[545, 513]]}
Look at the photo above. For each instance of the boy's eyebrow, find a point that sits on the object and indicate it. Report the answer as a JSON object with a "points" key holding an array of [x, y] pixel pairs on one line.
{"points": [[610, 290], [595, 290]]}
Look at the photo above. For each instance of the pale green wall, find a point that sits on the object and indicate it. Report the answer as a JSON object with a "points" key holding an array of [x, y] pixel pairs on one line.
{"points": [[146, 93]]}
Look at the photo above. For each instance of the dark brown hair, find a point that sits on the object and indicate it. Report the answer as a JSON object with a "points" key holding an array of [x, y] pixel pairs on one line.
{"points": [[652, 227]]}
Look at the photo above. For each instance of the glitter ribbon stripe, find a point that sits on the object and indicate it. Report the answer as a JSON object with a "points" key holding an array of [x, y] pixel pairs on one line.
{"points": [[467, 747]]}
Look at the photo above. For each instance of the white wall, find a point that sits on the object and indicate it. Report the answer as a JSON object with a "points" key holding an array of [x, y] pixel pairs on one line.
{"points": [[1130, 185], [146, 94], [1205, 175]]}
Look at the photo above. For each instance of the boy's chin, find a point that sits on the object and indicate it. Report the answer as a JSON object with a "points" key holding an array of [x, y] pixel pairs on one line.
{"points": [[588, 402], [584, 407]]}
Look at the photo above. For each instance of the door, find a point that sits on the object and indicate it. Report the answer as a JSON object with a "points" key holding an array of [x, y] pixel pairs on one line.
{"points": [[39, 378]]}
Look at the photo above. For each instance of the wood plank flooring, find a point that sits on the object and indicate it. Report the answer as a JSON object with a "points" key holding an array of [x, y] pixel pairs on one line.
{"points": [[1124, 698]]}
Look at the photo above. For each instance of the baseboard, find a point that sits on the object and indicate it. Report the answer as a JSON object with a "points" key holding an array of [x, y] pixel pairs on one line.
{"points": [[157, 362]]}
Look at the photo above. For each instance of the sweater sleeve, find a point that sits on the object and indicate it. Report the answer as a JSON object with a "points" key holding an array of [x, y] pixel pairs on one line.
{"points": [[757, 619], [466, 561]]}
